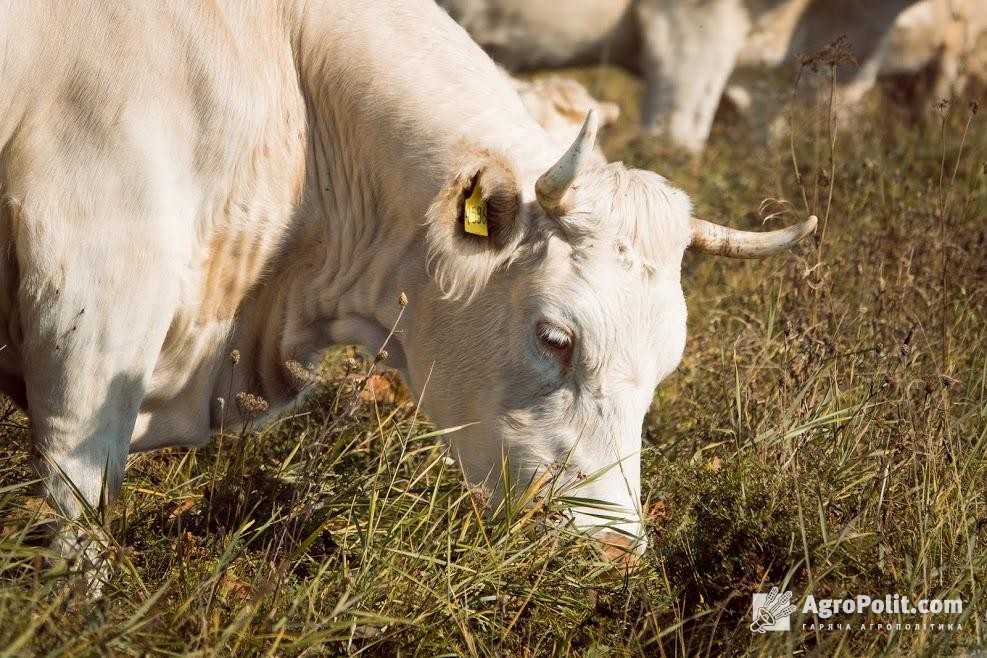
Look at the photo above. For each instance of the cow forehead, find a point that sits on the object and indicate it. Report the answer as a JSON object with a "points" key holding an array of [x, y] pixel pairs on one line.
{"points": [[632, 216], [600, 287]]}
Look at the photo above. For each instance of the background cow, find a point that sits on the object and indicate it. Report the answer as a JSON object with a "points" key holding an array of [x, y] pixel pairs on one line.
{"points": [[687, 50], [560, 106], [935, 50], [945, 38]]}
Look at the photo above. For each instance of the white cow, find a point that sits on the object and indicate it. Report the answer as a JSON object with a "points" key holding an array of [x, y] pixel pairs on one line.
{"points": [[943, 42], [184, 179], [948, 38], [560, 105], [686, 50]]}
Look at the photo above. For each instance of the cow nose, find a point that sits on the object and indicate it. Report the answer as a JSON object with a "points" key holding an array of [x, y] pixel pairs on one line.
{"points": [[622, 551]]}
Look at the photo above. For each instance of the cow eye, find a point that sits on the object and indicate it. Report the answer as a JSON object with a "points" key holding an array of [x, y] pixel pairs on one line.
{"points": [[554, 338]]}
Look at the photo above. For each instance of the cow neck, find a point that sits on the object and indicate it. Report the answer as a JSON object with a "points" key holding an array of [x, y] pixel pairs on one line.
{"points": [[338, 276], [391, 96]]}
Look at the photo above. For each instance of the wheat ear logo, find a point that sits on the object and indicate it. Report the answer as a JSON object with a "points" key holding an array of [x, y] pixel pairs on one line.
{"points": [[771, 611]]}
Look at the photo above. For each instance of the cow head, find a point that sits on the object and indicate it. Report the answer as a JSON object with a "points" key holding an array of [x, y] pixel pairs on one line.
{"points": [[550, 333]]}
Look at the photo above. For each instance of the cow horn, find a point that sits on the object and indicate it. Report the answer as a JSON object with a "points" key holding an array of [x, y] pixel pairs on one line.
{"points": [[710, 238], [552, 186]]}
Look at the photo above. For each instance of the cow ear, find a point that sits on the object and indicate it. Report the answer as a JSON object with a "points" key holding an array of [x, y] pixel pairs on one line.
{"points": [[474, 224]]}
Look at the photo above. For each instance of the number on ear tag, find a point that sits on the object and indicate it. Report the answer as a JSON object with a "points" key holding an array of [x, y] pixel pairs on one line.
{"points": [[475, 213]]}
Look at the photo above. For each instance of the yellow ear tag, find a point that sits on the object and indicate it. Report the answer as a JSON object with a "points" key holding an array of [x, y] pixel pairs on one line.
{"points": [[475, 213]]}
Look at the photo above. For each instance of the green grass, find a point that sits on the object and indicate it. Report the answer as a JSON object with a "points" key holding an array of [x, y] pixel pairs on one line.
{"points": [[826, 432]]}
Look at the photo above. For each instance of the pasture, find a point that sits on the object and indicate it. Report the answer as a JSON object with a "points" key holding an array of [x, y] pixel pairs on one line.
{"points": [[826, 433]]}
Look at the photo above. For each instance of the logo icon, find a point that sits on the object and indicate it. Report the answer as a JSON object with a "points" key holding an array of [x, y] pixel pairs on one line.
{"points": [[770, 611]]}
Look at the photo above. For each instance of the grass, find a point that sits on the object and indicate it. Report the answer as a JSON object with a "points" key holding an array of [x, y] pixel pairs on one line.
{"points": [[826, 432]]}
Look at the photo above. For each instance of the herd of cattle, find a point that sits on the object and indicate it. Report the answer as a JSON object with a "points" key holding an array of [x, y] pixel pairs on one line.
{"points": [[181, 180]]}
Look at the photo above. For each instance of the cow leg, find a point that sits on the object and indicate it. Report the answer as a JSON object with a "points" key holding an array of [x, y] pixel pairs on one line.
{"points": [[688, 50], [867, 28], [94, 313], [82, 430]]}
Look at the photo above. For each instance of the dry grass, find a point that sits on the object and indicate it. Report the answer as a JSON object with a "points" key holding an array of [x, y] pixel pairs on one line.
{"points": [[826, 432]]}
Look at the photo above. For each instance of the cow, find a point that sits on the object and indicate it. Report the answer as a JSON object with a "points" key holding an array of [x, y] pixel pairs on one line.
{"points": [[182, 180], [939, 44], [560, 105], [686, 50], [946, 38]]}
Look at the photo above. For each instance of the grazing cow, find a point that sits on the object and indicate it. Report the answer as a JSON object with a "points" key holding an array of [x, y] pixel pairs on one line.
{"points": [[685, 50], [941, 44], [184, 179], [946, 38]]}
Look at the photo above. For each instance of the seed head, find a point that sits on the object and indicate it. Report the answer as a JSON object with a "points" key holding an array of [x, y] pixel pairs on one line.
{"points": [[299, 372], [251, 405], [403, 299], [480, 494], [235, 357]]}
